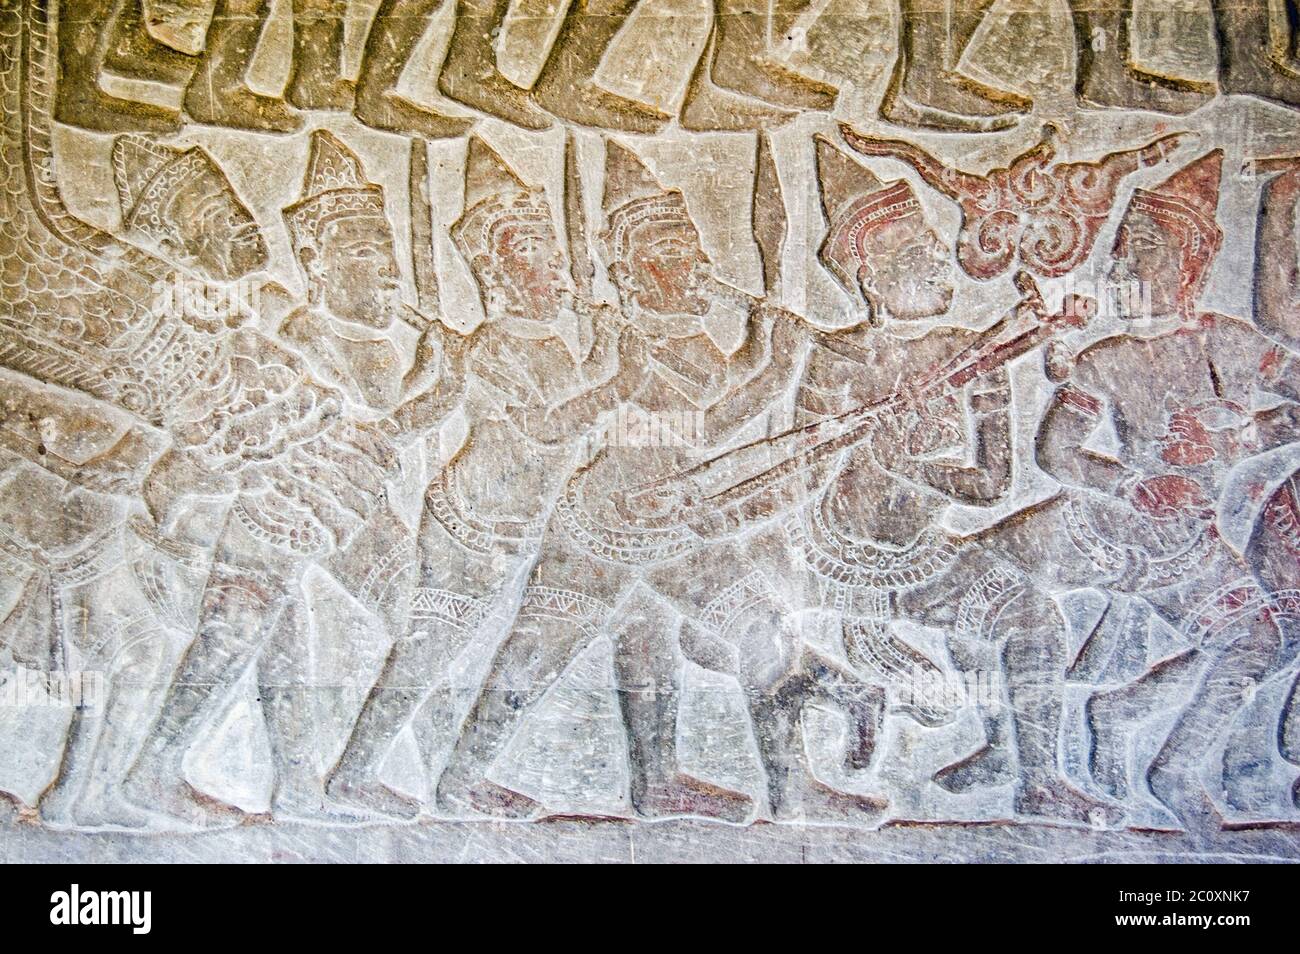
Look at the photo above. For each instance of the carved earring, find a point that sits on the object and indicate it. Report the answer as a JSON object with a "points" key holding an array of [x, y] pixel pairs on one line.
{"points": [[873, 309], [314, 273]]}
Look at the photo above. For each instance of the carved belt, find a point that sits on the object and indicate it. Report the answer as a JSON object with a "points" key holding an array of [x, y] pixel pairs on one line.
{"points": [[103, 554], [852, 564], [389, 567], [1232, 602], [1158, 570], [444, 606], [188, 555], [300, 534], [454, 515], [632, 547], [1283, 517], [722, 612], [988, 596], [578, 609]]}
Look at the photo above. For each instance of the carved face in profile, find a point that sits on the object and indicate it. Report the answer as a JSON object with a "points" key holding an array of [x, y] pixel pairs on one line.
{"points": [[666, 270], [354, 268], [906, 270], [527, 267], [212, 230], [1150, 254]]}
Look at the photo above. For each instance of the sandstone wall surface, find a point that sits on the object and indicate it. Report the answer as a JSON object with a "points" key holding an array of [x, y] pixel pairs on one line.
{"points": [[663, 430]]}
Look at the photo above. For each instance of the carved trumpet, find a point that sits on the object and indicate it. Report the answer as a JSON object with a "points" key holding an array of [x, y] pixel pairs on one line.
{"points": [[741, 474]]}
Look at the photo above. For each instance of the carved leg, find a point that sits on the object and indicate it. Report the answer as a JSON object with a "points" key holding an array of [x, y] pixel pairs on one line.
{"points": [[242, 602], [993, 762], [218, 94], [1115, 714], [1033, 663], [647, 668], [58, 803], [709, 108], [415, 669], [1227, 684], [566, 87], [134, 53], [740, 62], [990, 764], [470, 75], [529, 661], [864, 705], [1105, 77], [1248, 760], [397, 28], [104, 738], [925, 91], [1289, 734], [794, 792], [80, 101], [1250, 62], [119, 648], [315, 80], [289, 707]]}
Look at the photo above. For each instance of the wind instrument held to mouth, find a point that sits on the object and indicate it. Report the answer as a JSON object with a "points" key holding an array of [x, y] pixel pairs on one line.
{"points": [[747, 483]]}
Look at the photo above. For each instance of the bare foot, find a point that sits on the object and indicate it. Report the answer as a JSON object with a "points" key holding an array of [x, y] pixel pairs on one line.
{"points": [[160, 792], [108, 810], [371, 796], [500, 802], [240, 109], [684, 795], [57, 807], [985, 766], [395, 114], [1057, 799], [339, 94], [1183, 794], [819, 803], [97, 110]]}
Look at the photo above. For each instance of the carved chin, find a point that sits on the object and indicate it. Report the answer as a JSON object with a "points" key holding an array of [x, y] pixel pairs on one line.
{"points": [[247, 258]]}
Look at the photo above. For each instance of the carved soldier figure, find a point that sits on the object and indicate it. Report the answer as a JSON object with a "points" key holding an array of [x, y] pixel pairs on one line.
{"points": [[872, 540], [594, 554], [301, 481], [180, 204], [344, 246], [483, 511], [1144, 479], [1277, 314], [254, 431], [343, 243], [76, 610]]}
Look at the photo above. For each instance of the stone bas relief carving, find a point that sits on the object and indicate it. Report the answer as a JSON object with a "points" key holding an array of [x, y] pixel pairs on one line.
{"points": [[877, 419]]}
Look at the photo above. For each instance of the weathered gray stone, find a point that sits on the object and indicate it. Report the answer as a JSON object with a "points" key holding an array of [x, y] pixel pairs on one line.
{"points": [[858, 431]]}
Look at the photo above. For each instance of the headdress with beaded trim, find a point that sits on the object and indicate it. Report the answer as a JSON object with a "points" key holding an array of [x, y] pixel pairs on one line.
{"points": [[334, 187], [1186, 204], [634, 200], [495, 198], [149, 177], [855, 203]]}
